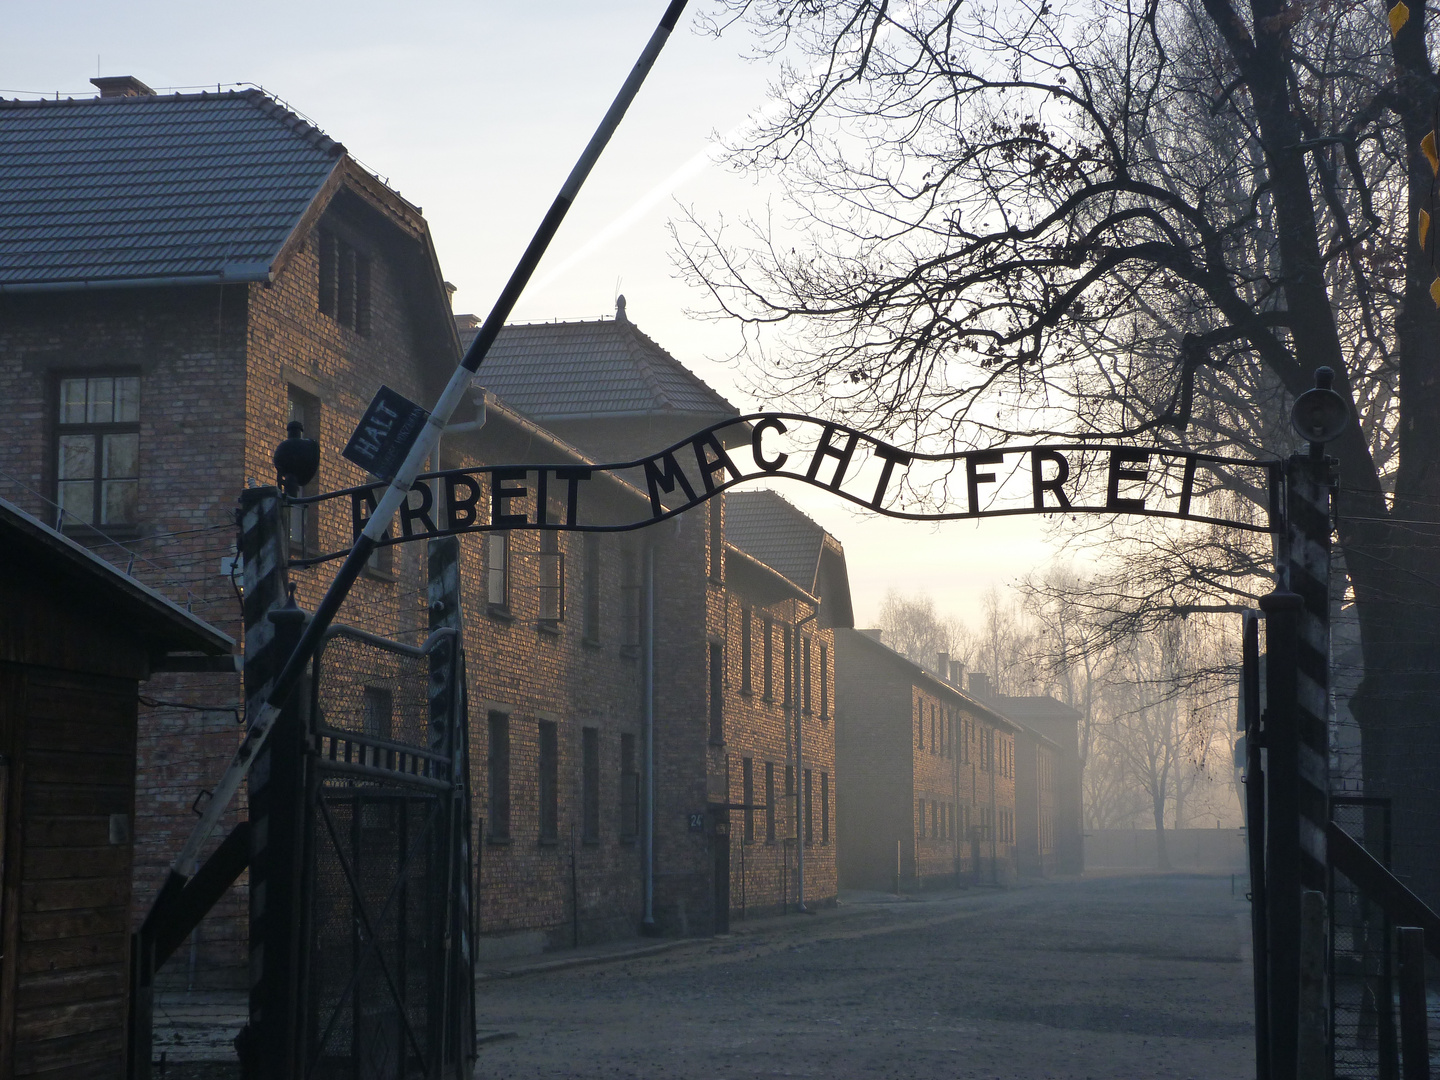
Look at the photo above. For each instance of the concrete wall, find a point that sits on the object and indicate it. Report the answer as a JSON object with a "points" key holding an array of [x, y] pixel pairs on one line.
{"points": [[1215, 850]]}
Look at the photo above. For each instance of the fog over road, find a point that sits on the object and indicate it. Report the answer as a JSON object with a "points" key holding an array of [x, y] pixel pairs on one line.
{"points": [[1143, 976]]}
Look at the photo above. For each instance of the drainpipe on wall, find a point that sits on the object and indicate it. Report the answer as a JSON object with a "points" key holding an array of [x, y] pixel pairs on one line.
{"points": [[647, 646], [797, 669]]}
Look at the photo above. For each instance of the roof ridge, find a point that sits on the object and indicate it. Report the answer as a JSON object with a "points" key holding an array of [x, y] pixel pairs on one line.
{"points": [[637, 339], [257, 97], [667, 357]]}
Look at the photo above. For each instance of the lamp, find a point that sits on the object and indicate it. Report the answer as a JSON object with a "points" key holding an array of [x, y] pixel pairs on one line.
{"points": [[297, 460], [1320, 414]]}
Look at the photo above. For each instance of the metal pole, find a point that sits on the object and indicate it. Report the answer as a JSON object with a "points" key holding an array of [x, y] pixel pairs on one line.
{"points": [[795, 651], [1282, 834], [399, 488], [647, 629], [1414, 1023], [1255, 835]]}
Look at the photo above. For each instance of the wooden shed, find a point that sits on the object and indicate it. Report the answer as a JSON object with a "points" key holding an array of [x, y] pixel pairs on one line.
{"points": [[77, 637]]}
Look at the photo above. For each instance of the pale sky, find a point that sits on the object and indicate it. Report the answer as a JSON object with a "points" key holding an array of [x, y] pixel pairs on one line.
{"points": [[476, 112]]}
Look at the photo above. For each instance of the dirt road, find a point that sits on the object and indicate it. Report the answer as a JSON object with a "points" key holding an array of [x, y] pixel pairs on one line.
{"points": [[1105, 978]]}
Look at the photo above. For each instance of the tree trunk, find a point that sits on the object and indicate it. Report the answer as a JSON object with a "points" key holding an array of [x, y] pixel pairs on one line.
{"points": [[1162, 850]]}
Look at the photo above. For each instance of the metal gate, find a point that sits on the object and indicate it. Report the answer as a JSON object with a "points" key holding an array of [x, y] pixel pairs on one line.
{"points": [[1362, 954], [386, 990]]}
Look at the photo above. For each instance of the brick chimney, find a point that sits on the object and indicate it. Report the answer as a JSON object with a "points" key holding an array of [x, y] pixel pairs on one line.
{"points": [[121, 86], [957, 673], [979, 686], [942, 665]]}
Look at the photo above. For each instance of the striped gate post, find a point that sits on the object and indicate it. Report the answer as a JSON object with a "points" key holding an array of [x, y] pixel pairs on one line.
{"points": [[1297, 744], [1307, 522], [268, 1045]]}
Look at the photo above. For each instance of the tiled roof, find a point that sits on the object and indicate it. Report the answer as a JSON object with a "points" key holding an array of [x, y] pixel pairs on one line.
{"points": [[203, 186], [764, 524], [590, 370]]}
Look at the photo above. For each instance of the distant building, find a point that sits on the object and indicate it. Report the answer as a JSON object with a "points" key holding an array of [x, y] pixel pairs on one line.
{"points": [[603, 385], [1048, 800], [743, 641], [944, 786]]}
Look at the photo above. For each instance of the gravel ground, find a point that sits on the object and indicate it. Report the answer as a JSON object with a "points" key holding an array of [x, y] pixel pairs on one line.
{"points": [[1116, 977]]}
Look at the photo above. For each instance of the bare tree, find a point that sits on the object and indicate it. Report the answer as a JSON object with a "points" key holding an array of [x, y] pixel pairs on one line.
{"points": [[1159, 218], [915, 630]]}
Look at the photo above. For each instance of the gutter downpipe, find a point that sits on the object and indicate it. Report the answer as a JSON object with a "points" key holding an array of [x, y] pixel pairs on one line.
{"points": [[647, 647], [800, 822]]}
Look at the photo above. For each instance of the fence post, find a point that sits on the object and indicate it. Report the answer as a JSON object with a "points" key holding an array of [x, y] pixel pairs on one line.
{"points": [[1255, 835], [1282, 833], [1297, 739], [1307, 520], [269, 1046], [1414, 1022], [450, 730]]}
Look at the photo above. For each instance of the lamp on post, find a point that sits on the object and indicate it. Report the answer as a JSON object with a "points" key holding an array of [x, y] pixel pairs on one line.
{"points": [[297, 460], [1320, 414]]}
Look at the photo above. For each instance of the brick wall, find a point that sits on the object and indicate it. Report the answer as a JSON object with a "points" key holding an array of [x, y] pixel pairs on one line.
{"points": [[218, 366], [919, 787], [761, 729]]}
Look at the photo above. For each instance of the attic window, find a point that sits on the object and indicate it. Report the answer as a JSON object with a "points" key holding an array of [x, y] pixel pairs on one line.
{"points": [[344, 283]]}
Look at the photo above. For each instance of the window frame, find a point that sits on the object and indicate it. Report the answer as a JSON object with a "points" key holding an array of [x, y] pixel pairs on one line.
{"points": [[769, 802], [550, 587], [715, 655], [769, 657], [498, 541], [590, 581], [497, 766], [824, 808], [746, 650], [590, 785], [547, 782], [96, 432], [629, 789], [345, 282], [824, 683], [747, 788]]}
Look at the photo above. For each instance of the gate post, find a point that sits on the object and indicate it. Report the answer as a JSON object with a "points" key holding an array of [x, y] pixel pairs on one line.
{"points": [[453, 1026], [1297, 744], [269, 1046]]}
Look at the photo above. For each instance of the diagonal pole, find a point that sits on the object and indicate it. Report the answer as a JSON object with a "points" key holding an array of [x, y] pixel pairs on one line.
{"points": [[399, 488]]}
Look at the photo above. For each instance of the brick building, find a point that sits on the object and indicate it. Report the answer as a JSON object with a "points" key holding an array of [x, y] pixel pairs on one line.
{"points": [[929, 774], [743, 642], [1048, 809], [180, 276]]}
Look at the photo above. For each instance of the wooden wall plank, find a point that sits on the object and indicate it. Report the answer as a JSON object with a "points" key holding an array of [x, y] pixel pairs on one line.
{"points": [[73, 895], [50, 832], [48, 864], [56, 987], [97, 734], [68, 1018], [88, 770], [88, 922], [52, 800], [68, 1052], [70, 953]]}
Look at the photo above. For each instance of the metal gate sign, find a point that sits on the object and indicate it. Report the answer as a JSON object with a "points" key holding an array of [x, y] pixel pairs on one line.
{"points": [[1048, 479], [385, 434]]}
